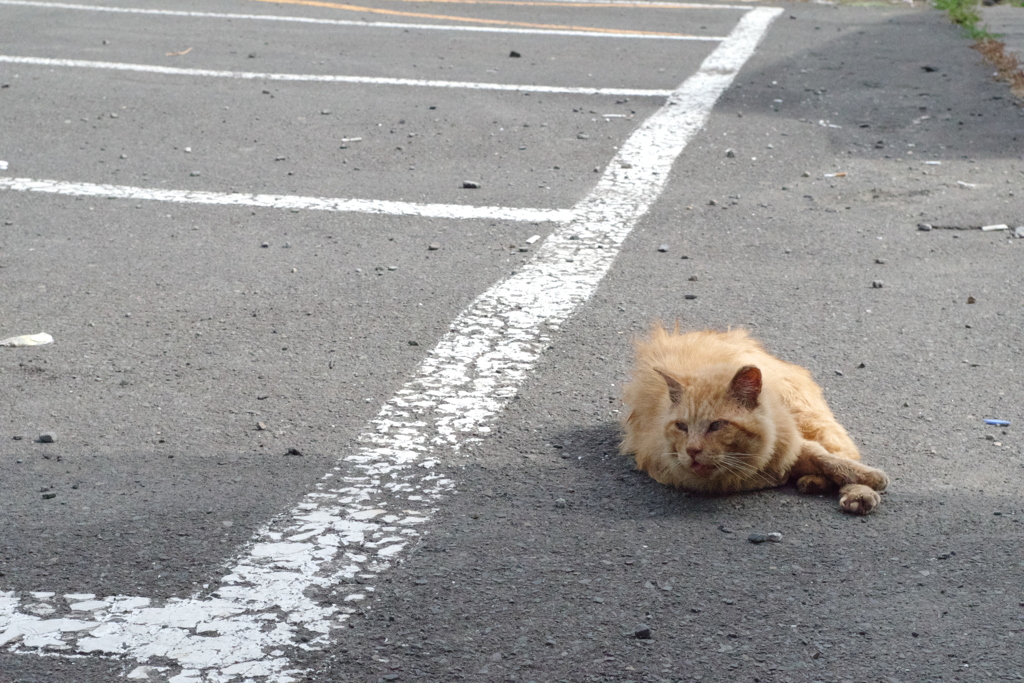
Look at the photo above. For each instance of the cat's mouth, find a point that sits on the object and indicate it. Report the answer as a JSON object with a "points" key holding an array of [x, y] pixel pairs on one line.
{"points": [[701, 468]]}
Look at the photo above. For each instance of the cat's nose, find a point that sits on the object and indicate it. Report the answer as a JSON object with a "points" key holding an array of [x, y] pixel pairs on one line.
{"points": [[693, 452]]}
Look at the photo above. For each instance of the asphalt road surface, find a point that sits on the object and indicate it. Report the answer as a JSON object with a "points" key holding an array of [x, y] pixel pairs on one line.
{"points": [[342, 298]]}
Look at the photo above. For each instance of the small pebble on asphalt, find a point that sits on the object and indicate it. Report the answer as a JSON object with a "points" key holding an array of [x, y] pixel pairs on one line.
{"points": [[642, 632], [470, 185], [293, 451], [663, 248], [47, 437], [758, 537], [924, 227], [434, 246], [876, 284]]}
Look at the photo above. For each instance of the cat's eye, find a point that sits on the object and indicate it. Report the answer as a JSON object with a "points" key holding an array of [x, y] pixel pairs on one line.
{"points": [[681, 426], [716, 425]]}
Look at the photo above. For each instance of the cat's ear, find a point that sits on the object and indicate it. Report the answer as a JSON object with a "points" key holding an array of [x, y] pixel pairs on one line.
{"points": [[746, 386], [675, 389]]}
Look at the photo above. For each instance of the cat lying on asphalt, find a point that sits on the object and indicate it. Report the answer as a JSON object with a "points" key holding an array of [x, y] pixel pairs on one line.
{"points": [[713, 412]]}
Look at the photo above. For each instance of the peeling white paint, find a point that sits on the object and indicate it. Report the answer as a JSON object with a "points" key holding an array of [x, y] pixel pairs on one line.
{"points": [[142, 673], [462, 385]]}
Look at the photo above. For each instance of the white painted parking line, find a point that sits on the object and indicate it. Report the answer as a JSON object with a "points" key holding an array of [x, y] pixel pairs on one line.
{"points": [[292, 202], [382, 24], [323, 78], [369, 507]]}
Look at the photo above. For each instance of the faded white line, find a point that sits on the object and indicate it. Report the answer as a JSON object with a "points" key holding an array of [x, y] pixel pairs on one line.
{"points": [[277, 201], [323, 78], [378, 24], [331, 548]]}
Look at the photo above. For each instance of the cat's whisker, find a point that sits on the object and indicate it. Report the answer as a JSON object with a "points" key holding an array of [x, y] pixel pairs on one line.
{"points": [[738, 465], [730, 469], [728, 463], [736, 461], [744, 468]]}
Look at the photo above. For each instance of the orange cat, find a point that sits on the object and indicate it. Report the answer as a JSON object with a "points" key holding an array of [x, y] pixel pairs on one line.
{"points": [[714, 412]]}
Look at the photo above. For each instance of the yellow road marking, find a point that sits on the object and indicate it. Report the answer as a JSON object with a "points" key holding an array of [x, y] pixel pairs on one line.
{"points": [[523, 24]]}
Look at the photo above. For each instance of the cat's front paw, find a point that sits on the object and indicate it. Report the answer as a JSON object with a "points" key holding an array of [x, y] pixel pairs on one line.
{"points": [[876, 479], [858, 499]]}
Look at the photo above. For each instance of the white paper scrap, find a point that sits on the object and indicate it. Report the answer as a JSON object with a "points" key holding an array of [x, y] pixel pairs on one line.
{"points": [[28, 340]]}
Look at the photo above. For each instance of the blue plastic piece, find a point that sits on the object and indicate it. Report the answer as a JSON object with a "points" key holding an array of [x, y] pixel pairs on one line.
{"points": [[998, 423]]}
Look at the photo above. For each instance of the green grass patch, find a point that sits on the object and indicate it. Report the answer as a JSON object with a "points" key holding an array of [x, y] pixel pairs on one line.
{"points": [[965, 13]]}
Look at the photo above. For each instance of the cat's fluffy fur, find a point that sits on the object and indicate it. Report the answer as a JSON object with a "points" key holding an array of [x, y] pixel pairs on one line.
{"points": [[714, 412]]}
